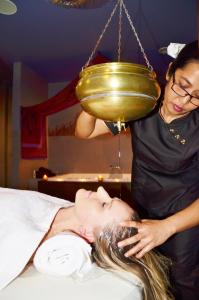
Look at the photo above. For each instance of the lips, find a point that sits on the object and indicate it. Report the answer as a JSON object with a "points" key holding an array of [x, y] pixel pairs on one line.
{"points": [[177, 108]]}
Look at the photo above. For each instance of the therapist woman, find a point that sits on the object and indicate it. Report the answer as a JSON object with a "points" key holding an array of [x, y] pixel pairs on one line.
{"points": [[165, 186]]}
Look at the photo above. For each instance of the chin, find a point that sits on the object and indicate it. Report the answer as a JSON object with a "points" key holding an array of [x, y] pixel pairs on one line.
{"points": [[80, 194]]}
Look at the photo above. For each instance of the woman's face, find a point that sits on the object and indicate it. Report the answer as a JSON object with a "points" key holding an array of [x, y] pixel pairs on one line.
{"points": [[188, 79], [97, 209]]}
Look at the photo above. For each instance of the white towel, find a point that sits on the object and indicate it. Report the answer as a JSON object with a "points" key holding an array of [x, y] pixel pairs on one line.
{"points": [[63, 255], [174, 49], [25, 218]]}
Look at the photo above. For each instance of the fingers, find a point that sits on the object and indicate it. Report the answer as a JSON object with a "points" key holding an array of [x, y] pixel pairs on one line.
{"points": [[139, 250], [132, 240], [145, 240], [144, 251], [130, 224]]}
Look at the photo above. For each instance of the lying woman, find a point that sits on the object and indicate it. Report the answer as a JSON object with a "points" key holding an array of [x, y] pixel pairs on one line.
{"points": [[29, 219]]}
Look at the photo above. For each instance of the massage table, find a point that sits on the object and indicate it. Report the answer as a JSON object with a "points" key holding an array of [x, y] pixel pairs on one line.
{"points": [[99, 285]]}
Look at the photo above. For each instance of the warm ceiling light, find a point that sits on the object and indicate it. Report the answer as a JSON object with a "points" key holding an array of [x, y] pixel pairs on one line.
{"points": [[7, 7]]}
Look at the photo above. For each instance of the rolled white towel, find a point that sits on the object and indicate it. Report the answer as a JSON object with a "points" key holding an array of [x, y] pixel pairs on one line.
{"points": [[63, 255]]}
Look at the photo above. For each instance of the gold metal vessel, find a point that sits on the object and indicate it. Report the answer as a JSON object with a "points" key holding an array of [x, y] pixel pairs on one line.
{"points": [[118, 91]]}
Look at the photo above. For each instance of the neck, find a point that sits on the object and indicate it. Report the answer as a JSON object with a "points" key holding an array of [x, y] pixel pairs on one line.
{"points": [[164, 115], [64, 221], [167, 116]]}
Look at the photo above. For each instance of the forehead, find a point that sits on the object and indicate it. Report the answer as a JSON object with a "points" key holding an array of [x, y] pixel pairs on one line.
{"points": [[119, 211], [189, 71], [92, 202], [114, 209]]}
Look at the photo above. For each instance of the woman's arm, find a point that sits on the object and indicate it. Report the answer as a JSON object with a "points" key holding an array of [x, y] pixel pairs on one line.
{"points": [[152, 233], [88, 127]]}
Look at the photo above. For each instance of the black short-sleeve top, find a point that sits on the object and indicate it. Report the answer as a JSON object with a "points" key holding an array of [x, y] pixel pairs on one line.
{"points": [[165, 170]]}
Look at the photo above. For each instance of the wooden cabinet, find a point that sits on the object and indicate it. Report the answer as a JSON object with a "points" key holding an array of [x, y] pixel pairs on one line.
{"points": [[67, 190]]}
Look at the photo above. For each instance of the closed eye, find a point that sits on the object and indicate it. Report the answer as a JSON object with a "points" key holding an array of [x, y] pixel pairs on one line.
{"points": [[184, 87]]}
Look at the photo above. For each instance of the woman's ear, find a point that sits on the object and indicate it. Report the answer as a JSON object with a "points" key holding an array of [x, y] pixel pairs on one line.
{"points": [[86, 233], [168, 76]]}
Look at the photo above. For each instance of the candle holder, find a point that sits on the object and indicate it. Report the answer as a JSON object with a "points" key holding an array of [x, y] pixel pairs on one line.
{"points": [[45, 177], [100, 178]]}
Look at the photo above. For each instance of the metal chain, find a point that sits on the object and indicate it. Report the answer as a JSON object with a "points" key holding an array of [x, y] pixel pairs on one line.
{"points": [[119, 32], [137, 38], [121, 4], [102, 34]]}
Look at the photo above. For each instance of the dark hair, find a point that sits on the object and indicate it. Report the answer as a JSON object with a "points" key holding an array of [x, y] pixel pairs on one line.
{"points": [[188, 53]]}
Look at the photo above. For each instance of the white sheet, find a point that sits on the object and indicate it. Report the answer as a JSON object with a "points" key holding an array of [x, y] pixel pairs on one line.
{"points": [[25, 218], [103, 285]]}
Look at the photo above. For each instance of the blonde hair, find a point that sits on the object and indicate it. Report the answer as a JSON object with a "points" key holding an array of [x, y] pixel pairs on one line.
{"points": [[151, 269]]}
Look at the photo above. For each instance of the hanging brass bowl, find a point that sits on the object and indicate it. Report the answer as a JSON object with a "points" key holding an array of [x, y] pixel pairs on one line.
{"points": [[118, 91]]}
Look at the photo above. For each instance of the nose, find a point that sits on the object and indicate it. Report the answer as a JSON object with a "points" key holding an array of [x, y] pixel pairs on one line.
{"points": [[186, 99], [103, 195]]}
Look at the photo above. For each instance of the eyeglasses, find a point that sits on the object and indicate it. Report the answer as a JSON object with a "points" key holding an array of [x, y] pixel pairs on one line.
{"points": [[183, 93]]}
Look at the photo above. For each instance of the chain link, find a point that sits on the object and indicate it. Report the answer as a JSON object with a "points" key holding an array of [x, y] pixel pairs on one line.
{"points": [[119, 32], [102, 34], [121, 4], [137, 38]]}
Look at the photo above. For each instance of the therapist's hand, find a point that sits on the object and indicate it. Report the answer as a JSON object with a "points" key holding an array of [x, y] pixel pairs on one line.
{"points": [[151, 233]]}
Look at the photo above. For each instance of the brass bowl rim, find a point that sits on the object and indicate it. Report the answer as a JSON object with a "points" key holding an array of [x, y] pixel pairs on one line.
{"points": [[120, 64]]}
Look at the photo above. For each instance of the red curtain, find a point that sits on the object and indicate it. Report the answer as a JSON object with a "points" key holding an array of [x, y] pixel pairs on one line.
{"points": [[33, 118]]}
